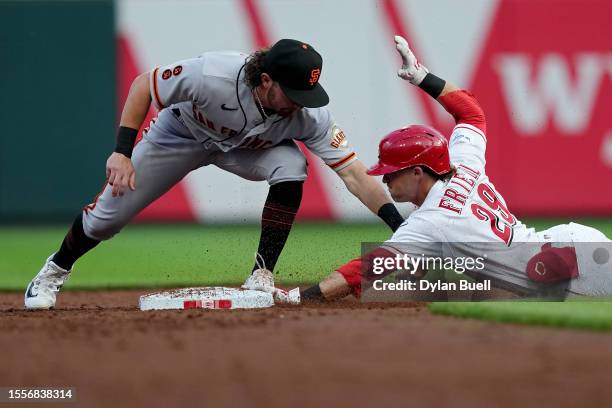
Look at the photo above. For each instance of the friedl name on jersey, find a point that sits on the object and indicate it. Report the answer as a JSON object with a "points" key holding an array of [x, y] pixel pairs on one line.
{"points": [[459, 188], [199, 116]]}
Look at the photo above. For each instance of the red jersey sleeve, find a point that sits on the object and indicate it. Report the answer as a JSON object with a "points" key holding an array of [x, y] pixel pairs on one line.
{"points": [[464, 107], [360, 269]]}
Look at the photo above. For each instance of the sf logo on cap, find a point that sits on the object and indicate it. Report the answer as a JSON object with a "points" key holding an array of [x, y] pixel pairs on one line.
{"points": [[314, 76]]}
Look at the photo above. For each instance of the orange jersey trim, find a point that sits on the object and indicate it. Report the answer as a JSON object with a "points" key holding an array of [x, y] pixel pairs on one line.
{"points": [[155, 93], [342, 161]]}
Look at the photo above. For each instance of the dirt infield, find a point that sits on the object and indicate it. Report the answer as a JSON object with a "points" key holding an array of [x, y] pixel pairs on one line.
{"points": [[345, 354]]}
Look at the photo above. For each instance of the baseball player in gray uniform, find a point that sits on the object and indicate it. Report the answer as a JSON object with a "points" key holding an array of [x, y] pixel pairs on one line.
{"points": [[239, 112]]}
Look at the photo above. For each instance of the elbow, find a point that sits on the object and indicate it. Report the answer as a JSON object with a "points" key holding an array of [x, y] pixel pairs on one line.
{"points": [[477, 113], [465, 108], [476, 118]]}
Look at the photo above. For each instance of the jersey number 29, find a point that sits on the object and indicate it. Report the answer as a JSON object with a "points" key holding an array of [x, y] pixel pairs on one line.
{"points": [[495, 212]]}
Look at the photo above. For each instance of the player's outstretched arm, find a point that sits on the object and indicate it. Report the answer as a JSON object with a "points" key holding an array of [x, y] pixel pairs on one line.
{"points": [[459, 103], [348, 278], [371, 193], [119, 169]]}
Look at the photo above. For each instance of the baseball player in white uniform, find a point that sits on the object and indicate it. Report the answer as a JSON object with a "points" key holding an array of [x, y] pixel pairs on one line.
{"points": [[461, 214], [241, 113]]}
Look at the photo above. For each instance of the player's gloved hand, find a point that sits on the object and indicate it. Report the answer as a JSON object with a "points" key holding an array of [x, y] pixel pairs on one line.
{"points": [[120, 173], [411, 70]]}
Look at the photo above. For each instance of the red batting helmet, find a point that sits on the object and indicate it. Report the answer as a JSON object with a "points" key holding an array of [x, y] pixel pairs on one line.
{"points": [[416, 145]]}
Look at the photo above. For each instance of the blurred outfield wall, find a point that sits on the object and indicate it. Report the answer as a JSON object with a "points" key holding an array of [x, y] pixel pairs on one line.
{"points": [[545, 89], [57, 106]]}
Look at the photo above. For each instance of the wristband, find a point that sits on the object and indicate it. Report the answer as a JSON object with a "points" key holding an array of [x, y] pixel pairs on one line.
{"points": [[389, 214], [432, 85], [312, 293], [125, 140]]}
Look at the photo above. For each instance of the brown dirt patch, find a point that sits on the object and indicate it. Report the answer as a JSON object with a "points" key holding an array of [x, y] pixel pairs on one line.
{"points": [[343, 354]]}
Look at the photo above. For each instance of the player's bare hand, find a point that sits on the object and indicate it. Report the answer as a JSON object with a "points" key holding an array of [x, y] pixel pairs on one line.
{"points": [[411, 70], [120, 174]]}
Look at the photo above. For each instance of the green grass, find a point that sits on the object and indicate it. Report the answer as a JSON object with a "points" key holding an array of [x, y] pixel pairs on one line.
{"points": [[187, 255], [162, 256], [593, 315], [170, 255]]}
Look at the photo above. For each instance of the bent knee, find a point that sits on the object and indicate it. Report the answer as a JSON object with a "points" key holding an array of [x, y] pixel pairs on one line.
{"points": [[294, 170], [101, 228]]}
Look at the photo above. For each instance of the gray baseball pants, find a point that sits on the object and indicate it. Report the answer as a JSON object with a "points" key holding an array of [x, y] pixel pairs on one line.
{"points": [[168, 153]]}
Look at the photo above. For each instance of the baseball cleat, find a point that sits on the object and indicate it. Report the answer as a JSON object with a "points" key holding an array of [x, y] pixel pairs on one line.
{"points": [[291, 297], [261, 279], [42, 290]]}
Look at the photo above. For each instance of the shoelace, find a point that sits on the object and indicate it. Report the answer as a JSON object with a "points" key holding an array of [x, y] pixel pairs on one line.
{"points": [[54, 279], [260, 278], [261, 265]]}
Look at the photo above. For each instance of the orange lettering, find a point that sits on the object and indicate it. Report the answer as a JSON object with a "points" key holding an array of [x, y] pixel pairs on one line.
{"points": [[314, 76]]}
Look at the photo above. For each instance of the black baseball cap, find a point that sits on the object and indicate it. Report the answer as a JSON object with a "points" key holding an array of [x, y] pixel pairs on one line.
{"points": [[296, 66]]}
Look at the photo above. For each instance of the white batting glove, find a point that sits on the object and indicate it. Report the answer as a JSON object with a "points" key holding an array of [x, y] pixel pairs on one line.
{"points": [[411, 70]]}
